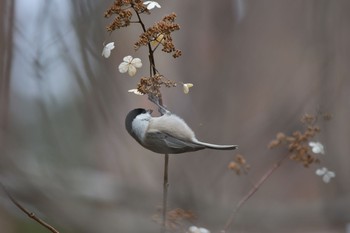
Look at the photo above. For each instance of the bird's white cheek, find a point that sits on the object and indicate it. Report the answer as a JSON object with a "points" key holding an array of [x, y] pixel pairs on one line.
{"points": [[139, 128]]}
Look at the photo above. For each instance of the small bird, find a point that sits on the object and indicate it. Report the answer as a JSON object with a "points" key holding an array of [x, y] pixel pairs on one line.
{"points": [[167, 134]]}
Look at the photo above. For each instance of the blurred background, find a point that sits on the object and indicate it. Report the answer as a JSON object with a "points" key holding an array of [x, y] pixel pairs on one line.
{"points": [[257, 67]]}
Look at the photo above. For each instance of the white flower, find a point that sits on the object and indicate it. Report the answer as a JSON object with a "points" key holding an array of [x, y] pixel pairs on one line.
{"points": [[106, 52], [151, 4], [135, 91], [129, 65], [186, 87], [194, 229], [317, 147], [326, 174]]}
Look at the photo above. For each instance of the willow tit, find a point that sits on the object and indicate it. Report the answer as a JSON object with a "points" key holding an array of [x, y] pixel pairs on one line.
{"points": [[167, 134]]}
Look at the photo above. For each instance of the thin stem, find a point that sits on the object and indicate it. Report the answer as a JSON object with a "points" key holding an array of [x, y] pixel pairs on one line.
{"points": [[153, 71], [165, 193], [150, 51], [157, 45], [28, 213], [251, 193]]}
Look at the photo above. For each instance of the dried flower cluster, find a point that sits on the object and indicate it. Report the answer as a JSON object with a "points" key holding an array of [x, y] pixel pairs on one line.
{"points": [[239, 165], [163, 30], [121, 8], [175, 218], [152, 85], [298, 142], [158, 35]]}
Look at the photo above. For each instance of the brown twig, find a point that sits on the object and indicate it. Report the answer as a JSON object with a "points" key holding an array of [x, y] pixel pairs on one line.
{"points": [[150, 51], [28, 213], [251, 193]]}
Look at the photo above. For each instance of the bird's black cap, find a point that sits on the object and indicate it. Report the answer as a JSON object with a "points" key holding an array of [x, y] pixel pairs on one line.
{"points": [[129, 119]]}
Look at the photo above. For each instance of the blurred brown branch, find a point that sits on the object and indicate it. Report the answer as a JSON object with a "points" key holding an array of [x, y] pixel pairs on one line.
{"points": [[252, 191], [28, 213]]}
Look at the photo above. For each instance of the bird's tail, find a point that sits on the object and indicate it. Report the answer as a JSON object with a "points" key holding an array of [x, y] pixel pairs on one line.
{"points": [[217, 147]]}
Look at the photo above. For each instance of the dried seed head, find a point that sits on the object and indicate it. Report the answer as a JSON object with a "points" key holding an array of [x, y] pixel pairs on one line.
{"points": [[121, 8], [164, 27], [176, 218], [152, 85], [298, 143], [239, 165]]}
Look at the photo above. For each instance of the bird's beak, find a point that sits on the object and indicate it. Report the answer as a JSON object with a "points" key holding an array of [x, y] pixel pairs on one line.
{"points": [[150, 111]]}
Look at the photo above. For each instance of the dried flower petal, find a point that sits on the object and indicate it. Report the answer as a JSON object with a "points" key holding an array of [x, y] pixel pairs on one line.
{"points": [[151, 4], [194, 229], [326, 174], [129, 65], [158, 40], [186, 87], [135, 91], [317, 147], [106, 52]]}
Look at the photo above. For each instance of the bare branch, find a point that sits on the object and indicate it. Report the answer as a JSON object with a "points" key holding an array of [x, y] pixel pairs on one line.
{"points": [[251, 193], [28, 213]]}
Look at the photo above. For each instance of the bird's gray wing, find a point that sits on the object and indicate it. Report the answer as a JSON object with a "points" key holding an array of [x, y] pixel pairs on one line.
{"points": [[169, 144]]}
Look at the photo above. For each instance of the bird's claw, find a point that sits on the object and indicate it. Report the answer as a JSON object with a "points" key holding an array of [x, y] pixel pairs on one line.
{"points": [[154, 99]]}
